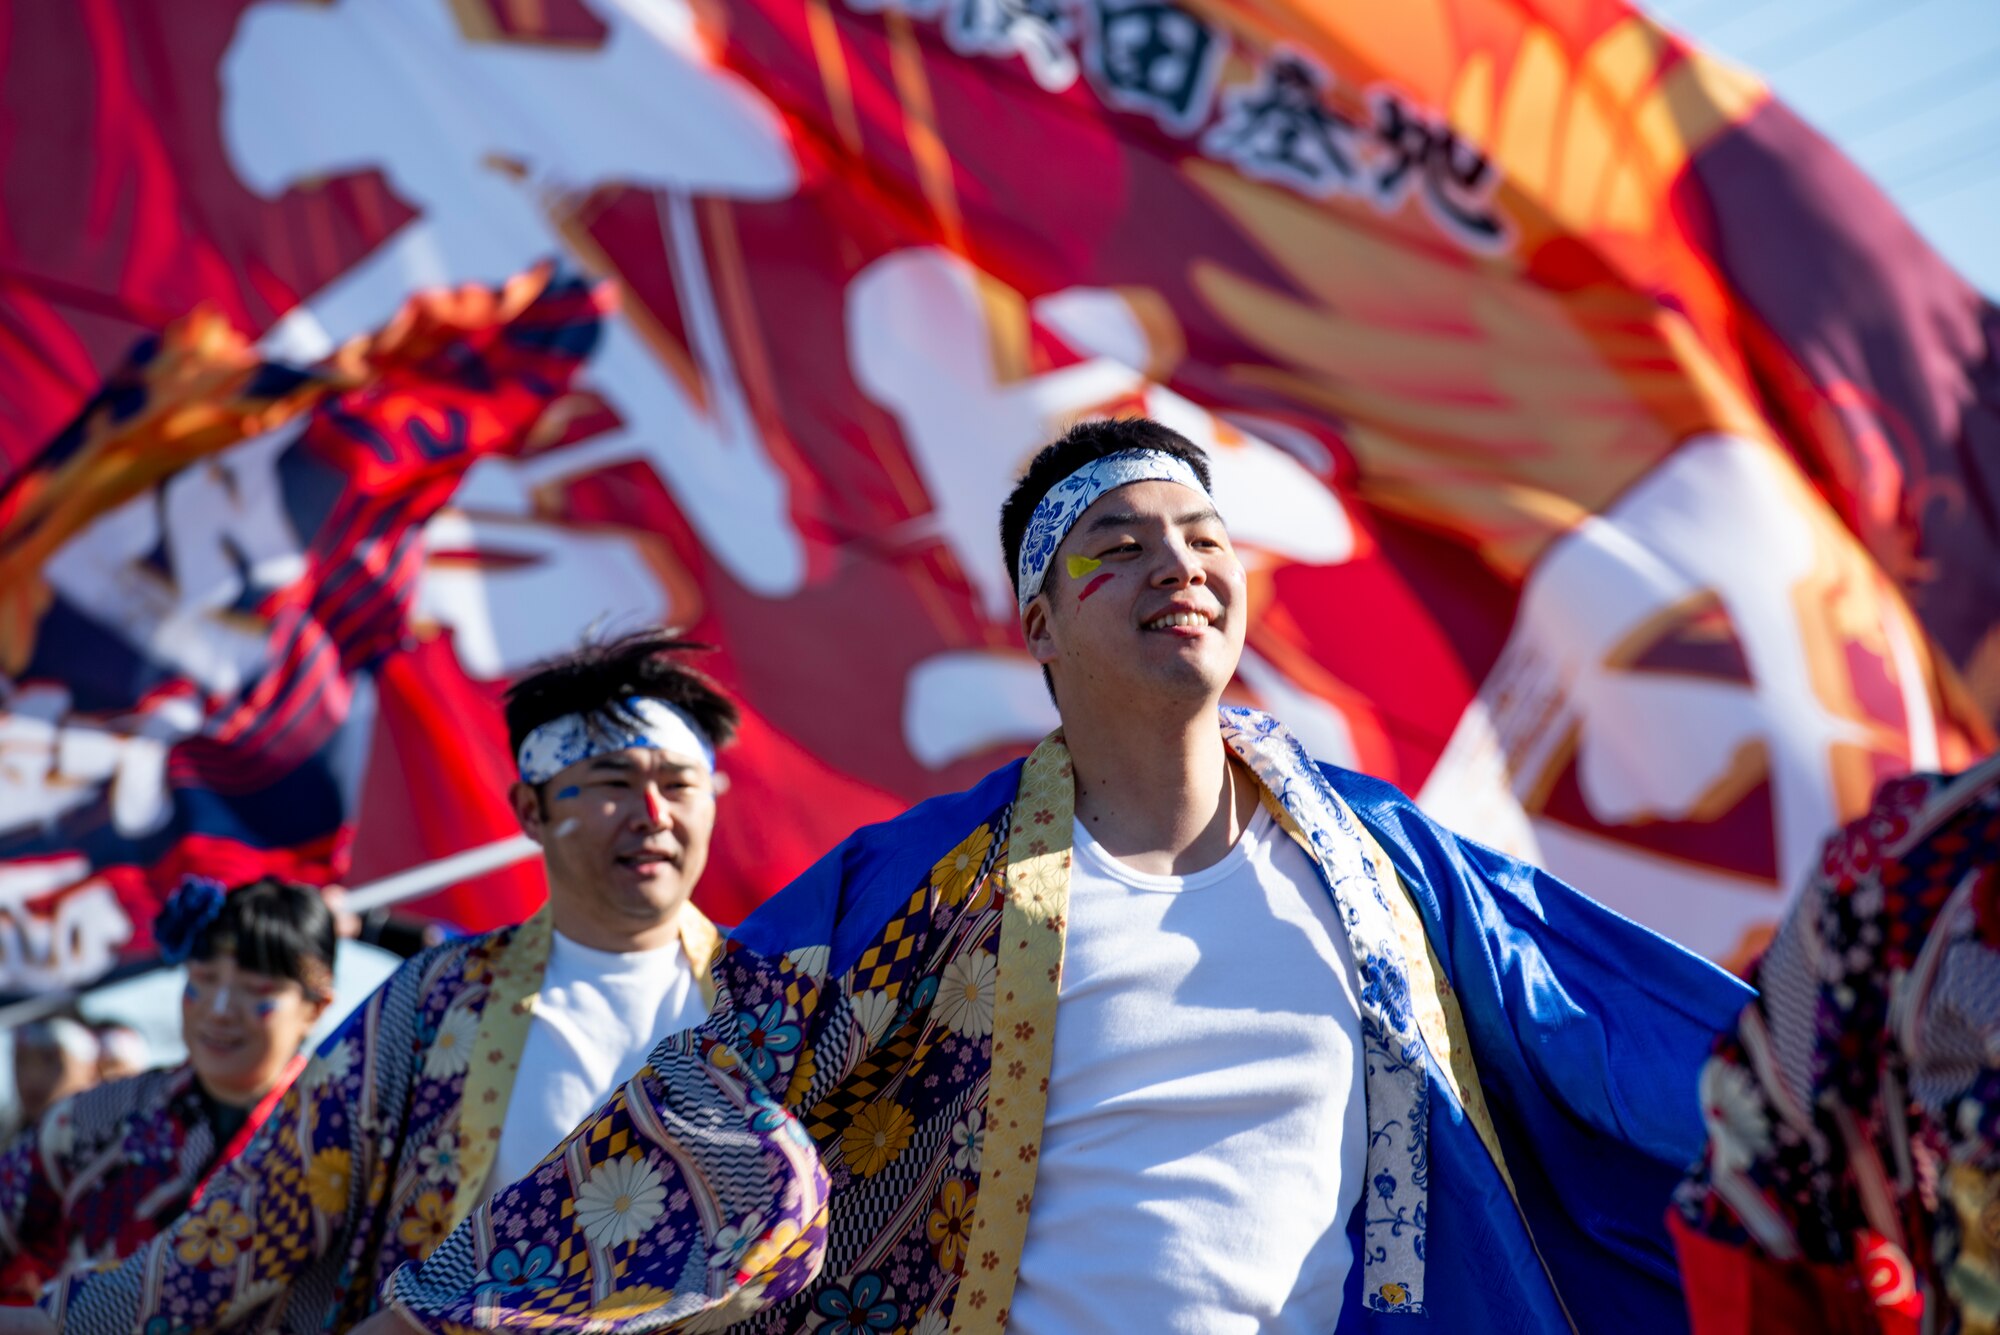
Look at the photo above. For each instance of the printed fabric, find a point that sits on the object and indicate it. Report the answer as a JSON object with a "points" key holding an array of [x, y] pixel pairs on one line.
{"points": [[100, 1174], [361, 1167], [849, 1142], [1852, 1172]]}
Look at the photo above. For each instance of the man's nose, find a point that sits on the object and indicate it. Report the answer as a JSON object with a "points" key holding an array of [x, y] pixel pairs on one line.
{"points": [[1179, 565]]}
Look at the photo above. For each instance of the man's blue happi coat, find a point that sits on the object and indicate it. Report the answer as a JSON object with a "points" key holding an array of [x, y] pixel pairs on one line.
{"points": [[878, 1101]]}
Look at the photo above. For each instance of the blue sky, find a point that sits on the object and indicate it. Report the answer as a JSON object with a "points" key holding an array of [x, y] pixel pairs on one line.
{"points": [[1910, 89]]}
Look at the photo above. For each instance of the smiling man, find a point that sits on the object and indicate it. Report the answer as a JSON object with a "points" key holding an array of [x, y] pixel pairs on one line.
{"points": [[1168, 1028], [477, 1057]]}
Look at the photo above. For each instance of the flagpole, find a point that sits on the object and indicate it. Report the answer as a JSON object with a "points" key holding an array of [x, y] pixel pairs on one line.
{"points": [[398, 888]]}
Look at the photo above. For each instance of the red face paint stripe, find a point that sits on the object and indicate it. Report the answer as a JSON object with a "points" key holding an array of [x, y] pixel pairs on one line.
{"points": [[1094, 586]]}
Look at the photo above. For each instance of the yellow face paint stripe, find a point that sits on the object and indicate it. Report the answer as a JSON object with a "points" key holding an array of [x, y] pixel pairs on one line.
{"points": [[1079, 566]]}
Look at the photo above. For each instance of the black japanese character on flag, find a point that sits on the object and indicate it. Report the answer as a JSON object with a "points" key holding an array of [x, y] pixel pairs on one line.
{"points": [[1455, 178], [1282, 130], [1156, 57], [1039, 31]]}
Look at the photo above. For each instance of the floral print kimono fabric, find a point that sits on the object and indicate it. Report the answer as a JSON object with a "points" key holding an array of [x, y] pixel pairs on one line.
{"points": [[848, 1144], [1852, 1173], [382, 1145], [101, 1173]]}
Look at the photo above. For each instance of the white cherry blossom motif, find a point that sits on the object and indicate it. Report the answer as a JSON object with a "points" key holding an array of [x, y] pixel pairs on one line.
{"points": [[873, 1011], [933, 1323], [451, 1051], [730, 1243], [440, 1161], [809, 960], [620, 1201], [329, 1067], [968, 1142], [1738, 1127], [965, 994]]}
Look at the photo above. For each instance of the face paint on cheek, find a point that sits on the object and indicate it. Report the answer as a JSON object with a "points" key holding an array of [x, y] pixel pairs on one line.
{"points": [[569, 792], [266, 1007], [1079, 566], [567, 827], [1094, 586]]}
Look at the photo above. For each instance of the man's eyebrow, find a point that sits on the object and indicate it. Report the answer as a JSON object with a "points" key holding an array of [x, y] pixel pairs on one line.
{"points": [[1115, 519], [1125, 519], [612, 761]]}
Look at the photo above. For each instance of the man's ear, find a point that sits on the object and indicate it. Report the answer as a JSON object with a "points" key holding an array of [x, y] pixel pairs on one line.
{"points": [[1036, 633], [527, 803]]}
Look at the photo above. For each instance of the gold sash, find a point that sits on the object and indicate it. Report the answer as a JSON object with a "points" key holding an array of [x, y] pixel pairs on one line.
{"points": [[1024, 1022], [516, 983]]}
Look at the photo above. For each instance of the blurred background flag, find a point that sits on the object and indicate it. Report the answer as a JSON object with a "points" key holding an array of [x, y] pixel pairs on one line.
{"points": [[1612, 460], [199, 577]]}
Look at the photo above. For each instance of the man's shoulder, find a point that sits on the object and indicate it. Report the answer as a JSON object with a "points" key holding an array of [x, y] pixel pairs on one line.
{"points": [[1353, 784], [858, 884], [450, 966]]}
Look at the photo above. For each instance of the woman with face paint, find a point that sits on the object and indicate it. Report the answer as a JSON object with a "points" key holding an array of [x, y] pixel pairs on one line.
{"points": [[100, 1174]]}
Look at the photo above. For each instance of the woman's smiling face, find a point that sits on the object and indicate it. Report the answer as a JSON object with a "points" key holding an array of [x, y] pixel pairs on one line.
{"points": [[243, 1027]]}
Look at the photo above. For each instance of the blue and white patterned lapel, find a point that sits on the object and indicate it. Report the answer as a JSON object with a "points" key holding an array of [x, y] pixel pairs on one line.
{"points": [[1398, 1084]]}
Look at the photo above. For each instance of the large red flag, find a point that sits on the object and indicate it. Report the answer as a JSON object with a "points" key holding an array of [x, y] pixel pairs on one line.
{"points": [[1605, 445]]}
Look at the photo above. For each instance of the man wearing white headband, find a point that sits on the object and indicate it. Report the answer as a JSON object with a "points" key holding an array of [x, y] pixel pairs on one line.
{"points": [[1167, 1028], [479, 1056]]}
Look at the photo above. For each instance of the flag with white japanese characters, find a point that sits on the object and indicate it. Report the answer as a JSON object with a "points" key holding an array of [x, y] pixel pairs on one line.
{"points": [[1579, 501]]}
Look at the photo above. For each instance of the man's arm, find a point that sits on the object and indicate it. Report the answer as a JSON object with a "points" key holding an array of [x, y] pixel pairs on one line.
{"points": [[695, 1185], [696, 1194]]}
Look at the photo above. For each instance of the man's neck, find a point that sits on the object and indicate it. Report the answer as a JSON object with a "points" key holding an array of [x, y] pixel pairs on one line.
{"points": [[1158, 791], [614, 938]]}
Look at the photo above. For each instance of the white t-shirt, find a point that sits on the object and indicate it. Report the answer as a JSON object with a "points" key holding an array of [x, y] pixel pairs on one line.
{"points": [[1206, 1137], [597, 1017]]}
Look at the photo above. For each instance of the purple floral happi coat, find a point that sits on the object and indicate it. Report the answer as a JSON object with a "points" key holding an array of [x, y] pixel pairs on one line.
{"points": [[354, 1174]]}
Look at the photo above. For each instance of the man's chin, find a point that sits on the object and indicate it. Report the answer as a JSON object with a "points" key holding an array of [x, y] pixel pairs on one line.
{"points": [[1198, 674], [661, 889]]}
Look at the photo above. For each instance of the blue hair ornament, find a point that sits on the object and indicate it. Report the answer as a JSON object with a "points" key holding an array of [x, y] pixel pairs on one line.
{"points": [[188, 913]]}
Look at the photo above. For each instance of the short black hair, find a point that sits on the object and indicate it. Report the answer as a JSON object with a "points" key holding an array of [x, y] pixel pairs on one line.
{"points": [[1081, 444], [596, 679], [275, 927]]}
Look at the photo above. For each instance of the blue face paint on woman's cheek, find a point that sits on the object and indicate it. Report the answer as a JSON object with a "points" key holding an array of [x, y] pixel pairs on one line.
{"points": [[266, 1007], [571, 791]]}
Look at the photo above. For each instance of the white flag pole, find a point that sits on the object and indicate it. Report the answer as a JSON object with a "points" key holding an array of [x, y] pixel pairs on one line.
{"points": [[421, 880], [398, 888]]}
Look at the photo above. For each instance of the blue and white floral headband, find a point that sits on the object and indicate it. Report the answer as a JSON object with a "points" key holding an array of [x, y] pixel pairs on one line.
{"points": [[640, 721], [1058, 511]]}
